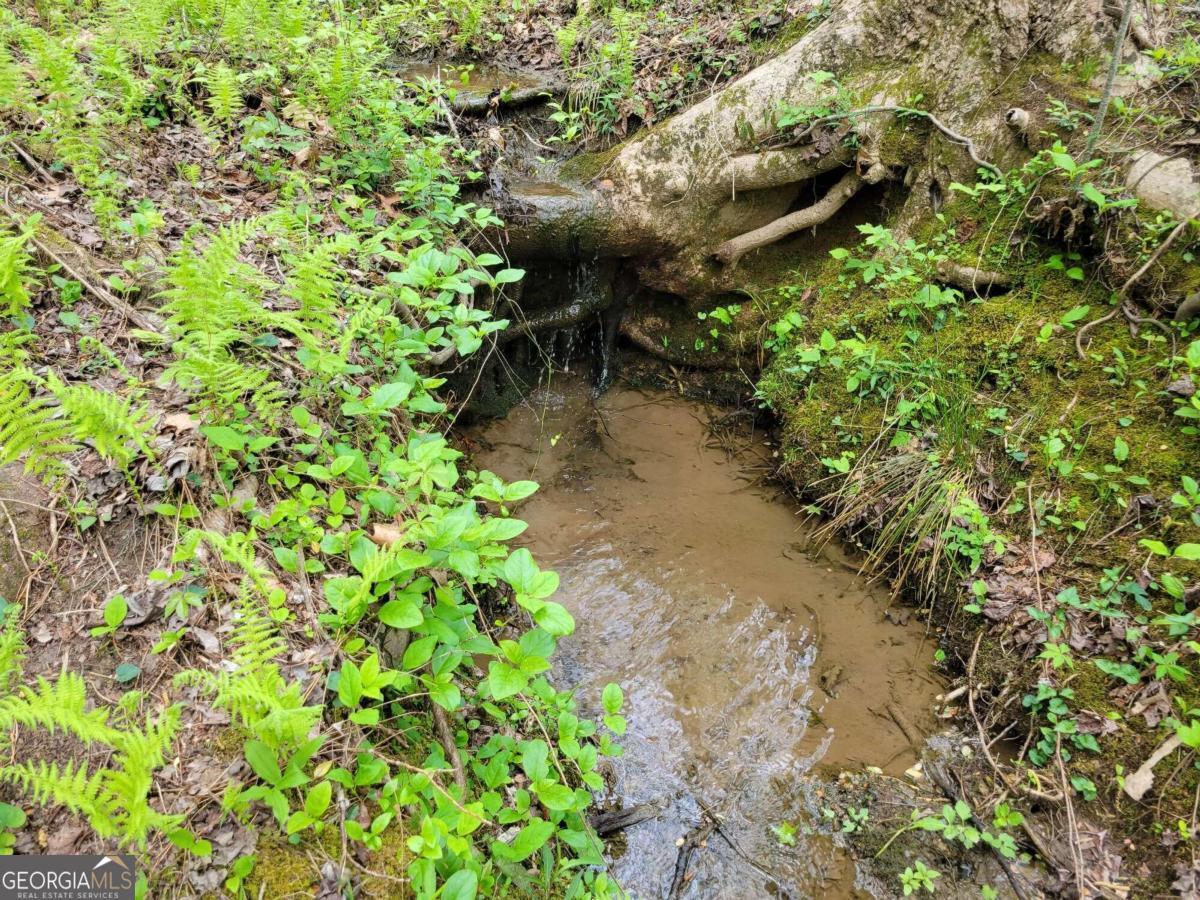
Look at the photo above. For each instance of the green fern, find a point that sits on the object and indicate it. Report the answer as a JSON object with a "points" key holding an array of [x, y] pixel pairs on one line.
{"points": [[312, 283], [108, 422], [31, 427], [224, 93], [12, 649], [215, 301], [15, 261], [255, 692], [14, 84], [115, 800]]}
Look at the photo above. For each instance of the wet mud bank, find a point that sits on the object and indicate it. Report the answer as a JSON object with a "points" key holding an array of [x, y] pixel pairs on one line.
{"points": [[752, 659]]}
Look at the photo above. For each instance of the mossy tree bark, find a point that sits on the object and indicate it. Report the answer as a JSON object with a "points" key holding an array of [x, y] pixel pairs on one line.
{"points": [[688, 198]]}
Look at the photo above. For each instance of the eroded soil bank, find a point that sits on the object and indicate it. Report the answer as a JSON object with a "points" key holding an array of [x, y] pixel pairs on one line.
{"points": [[747, 659]]}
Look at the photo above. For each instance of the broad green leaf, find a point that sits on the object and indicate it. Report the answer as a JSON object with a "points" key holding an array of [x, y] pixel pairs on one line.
{"points": [[530, 839], [224, 437], [462, 885], [555, 619], [554, 796], [11, 816], [520, 569], [535, 759], [115, 611], [419, 652], [505, 680], [318, 798], [403, 612], [262, 760], [613, 698]]}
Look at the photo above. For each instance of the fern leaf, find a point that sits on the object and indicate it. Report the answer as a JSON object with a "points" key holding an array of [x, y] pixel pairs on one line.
{"points": [[107, 421], [30, 427]]}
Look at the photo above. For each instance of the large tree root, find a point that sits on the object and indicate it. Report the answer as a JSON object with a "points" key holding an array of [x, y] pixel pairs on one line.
{"points": [[850, 184], [775, 168]]}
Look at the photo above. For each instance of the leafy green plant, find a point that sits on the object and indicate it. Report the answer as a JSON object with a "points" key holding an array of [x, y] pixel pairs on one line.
{"points": [[918, 877], [16, 267], [115, 610]]}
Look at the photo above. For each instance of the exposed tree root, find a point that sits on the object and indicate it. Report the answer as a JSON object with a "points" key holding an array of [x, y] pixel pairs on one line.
{"points": [[446, 736], [646, 342], [735, 248], [969, 278], [775, 168]]}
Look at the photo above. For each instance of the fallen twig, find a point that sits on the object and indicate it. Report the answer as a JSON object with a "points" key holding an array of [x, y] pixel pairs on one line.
{"points": [[695, 838], [446, 735], [96, 289]]}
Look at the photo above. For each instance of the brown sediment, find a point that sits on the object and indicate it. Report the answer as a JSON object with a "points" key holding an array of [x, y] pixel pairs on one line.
{"points": [[692, 586]]}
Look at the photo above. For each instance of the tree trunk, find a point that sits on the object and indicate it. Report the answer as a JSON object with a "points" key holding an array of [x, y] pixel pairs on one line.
{"points": [[686, 199]]}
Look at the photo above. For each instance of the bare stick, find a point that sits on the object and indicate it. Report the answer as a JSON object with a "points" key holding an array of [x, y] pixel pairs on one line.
{"points": [[94, 288], [448, 744], [1113, 64]]}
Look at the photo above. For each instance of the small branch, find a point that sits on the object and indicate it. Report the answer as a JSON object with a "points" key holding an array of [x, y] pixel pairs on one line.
{"points": [[735, 248], [1162, 248], [1113, 64], [92, 285], [695, 838], [446, 735], [933, 120], [1123, 307]]}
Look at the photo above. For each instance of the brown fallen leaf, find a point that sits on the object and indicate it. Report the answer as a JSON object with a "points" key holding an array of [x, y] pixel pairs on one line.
{"points": [[385, 534], [180, 421]]}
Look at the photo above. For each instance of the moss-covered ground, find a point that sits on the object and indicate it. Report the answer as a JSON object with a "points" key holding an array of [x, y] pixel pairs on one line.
{"points": [[1073, 462]]}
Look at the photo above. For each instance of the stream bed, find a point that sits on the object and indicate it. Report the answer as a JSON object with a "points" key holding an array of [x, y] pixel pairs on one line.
{"points": [[747, 658]]}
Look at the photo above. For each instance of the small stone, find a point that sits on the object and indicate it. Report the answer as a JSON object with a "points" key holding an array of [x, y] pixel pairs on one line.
{"points": [[1182, 387], [916, 772]]}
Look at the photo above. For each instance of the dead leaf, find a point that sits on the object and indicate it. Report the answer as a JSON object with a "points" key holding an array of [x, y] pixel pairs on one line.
{"points": [[385, 534], [180, 421]]}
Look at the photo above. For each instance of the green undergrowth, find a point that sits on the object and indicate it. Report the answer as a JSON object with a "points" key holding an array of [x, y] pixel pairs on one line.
{"points": [[300, 318], [950, 431]]}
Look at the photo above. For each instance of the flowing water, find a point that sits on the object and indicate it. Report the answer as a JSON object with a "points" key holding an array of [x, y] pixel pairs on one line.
{"points": [[746, 659]]}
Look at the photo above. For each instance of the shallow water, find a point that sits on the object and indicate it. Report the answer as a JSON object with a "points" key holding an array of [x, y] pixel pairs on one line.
{"points": [[692, 587]]}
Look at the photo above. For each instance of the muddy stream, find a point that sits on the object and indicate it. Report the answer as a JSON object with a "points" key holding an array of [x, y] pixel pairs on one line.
{"points": [[747, 658]]}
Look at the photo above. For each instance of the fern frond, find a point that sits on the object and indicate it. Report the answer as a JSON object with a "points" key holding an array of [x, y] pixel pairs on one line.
{"points": [[70, 786], [12, 649], [15, 261], [224, 93], [57, 706], [30, 427], [255, 692], [109, 422], [14, 83], [313, 284]]}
